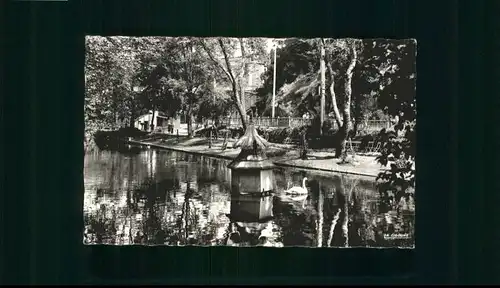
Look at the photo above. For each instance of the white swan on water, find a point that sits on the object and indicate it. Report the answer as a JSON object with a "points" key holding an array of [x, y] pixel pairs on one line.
{"points": [[296, 190]]}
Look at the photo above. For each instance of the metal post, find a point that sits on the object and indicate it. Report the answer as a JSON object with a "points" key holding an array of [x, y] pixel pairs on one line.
{"points": [[274, 82], [322, 76]]}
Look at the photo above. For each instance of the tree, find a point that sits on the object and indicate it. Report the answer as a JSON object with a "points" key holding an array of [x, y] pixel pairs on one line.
{"points": [[112, 65], [362, 78], [135, 53], [346, 53], [341, 57], [101, 86], [98, 63], [385, 68], [214, 105], [161, 93], [234, 70], [322, 82], [178, 78], [128, 61]]}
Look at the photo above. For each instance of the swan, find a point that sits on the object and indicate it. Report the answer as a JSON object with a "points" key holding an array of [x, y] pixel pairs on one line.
{"points": [[296, 190], [299, 198]]}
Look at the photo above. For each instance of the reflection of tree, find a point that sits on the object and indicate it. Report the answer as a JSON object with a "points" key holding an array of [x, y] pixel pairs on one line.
{"points": [[346, 212], [190, 226], [319, 224], [297, 225], [131, 203], [99, 226], [335, 219], [154, 194], [344, 194], [361, 229], [185, 213]]}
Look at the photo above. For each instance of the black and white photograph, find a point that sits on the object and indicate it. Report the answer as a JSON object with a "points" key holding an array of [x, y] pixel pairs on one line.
{"points": [[245, 142]]}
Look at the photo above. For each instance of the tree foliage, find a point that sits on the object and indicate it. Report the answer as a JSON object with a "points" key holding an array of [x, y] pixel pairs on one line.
{"points": [[110, 71], [173, 75], [382, 85], [398, 98], [379, 84], [180, 79]]}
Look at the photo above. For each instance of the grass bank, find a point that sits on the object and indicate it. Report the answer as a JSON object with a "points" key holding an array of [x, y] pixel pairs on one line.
{"points": [[281, 154]]}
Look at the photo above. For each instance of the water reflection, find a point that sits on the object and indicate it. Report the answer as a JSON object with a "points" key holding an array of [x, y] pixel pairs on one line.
{"points": [[173, 198]]}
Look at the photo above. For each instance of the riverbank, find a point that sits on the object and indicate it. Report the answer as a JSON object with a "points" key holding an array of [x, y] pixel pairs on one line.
{"points": [[281, 154]]}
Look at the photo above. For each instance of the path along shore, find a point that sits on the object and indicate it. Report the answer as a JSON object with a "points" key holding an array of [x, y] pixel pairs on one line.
{"points": [[280, 154]]}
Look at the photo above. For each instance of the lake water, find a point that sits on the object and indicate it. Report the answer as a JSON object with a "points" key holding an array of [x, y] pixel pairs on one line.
{"points": [[158, 197]]}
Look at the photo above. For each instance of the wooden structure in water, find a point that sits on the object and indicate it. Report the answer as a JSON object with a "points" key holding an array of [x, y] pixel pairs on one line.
{"points": [[252, 186], [251, 207], [251, 171]]}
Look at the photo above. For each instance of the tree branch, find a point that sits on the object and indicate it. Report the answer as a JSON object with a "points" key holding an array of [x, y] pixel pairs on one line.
{"points": [[335, 107], [354, 58], [244, 60], [212, 58], [348, 89], [230, 71], [226, 59]]}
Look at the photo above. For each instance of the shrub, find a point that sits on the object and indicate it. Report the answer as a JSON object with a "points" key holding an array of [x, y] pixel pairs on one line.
{"points": [[205, 132], [322, 142], [328, 128], [115, 139], [282, 135], [130, 132]]}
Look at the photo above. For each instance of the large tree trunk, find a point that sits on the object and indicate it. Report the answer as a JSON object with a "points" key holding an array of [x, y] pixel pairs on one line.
{"points": [[241, 112], [346, 111], [340, 148], [323, 85], [242, 95], [335, 107], [244, 77], [357, 101]]}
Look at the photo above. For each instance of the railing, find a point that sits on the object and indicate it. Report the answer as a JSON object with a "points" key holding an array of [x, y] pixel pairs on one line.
{"points": [[374, 125], [285, 122], [281, 122]]}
